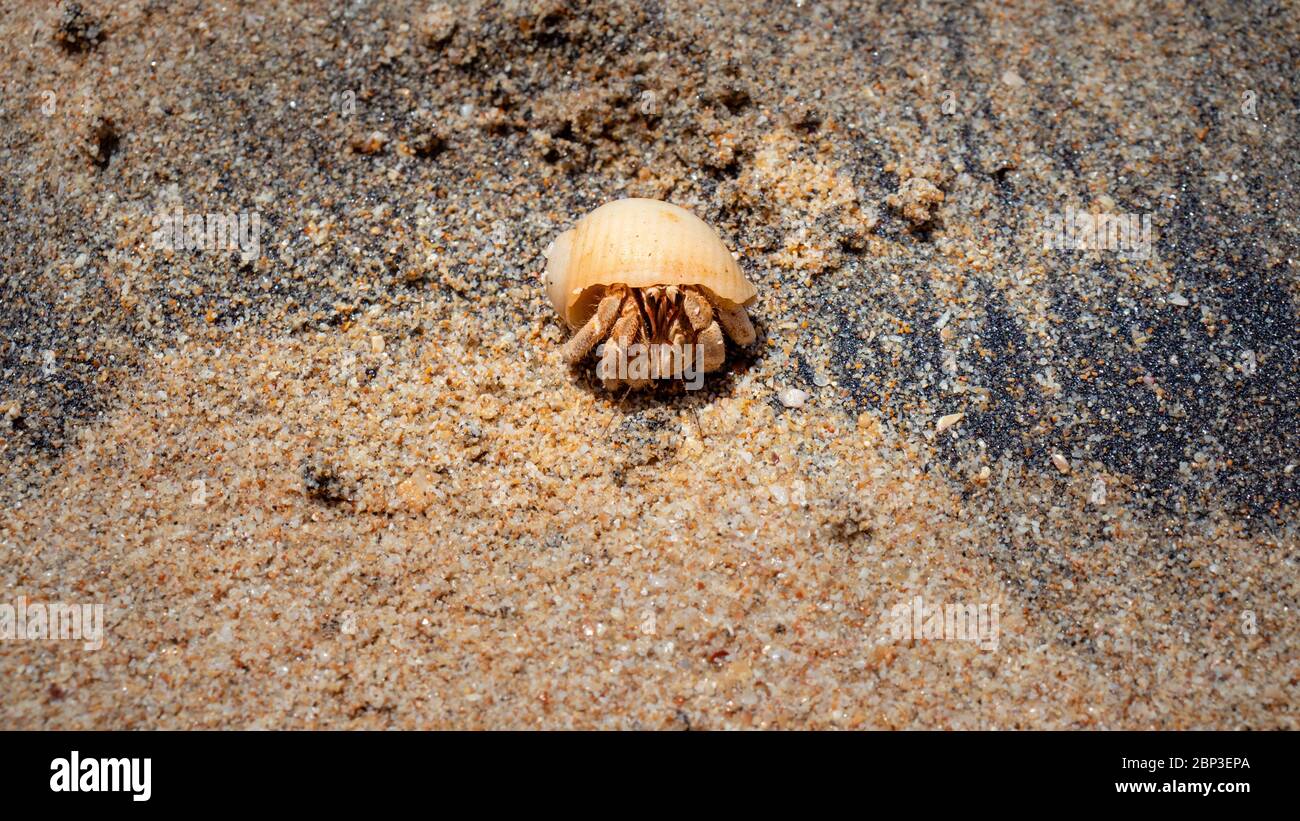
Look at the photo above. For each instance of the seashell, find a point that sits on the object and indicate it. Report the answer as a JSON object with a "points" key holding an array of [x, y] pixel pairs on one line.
{"points": [[639, 243], [643, 281]]}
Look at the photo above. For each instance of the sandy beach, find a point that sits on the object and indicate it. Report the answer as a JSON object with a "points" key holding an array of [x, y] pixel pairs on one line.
{"points": [[323, 467]]}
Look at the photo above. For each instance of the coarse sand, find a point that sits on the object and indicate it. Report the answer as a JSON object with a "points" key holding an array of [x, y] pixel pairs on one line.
{"points": [[340, 478]]}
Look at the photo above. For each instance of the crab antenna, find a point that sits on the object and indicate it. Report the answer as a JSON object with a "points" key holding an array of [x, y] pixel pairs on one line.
{"points": [[616, 412], [646, 316], [673, 310]]}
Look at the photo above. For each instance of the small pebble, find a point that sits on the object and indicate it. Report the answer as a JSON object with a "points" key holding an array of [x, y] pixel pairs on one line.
{"points": [[437, 24], [371, 143], [792, 397], [948, 421], [1062, 464], [1098, 492]]}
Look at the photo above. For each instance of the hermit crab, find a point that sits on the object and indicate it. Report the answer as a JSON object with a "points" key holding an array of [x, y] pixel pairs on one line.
{"points": [[644, 276]]}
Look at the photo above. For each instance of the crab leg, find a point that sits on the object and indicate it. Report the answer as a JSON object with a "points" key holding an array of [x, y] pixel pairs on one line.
{"points": [[626, 332], [736, 322], [715, 348], [595, 329], [697, 310], [675, 357], [707, 333]]}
